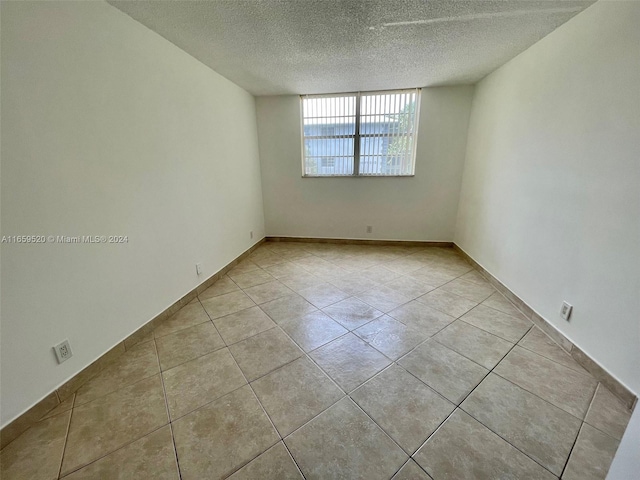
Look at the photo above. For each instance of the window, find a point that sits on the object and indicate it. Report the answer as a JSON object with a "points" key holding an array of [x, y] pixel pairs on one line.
{"points": [[363, 134]]}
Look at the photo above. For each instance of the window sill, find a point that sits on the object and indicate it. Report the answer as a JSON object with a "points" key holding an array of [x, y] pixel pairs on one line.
{"points": [[358, 176]]}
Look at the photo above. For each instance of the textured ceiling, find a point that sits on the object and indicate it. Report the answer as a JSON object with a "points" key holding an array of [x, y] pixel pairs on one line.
{"points": [[272, 47]]}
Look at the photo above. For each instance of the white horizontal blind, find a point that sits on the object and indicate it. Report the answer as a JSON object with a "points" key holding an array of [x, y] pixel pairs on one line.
{"points": [[371, 134], [388, 124], [329, 125]]}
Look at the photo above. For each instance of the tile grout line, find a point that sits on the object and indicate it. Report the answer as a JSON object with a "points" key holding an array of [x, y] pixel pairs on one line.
{"points": [[575, 441], [584, 373], [281, 438], [380, 427], [410, 455], [348, 394], [600, 384], [538, 396], [66, 436], [573, 446], [126, 444], [248, 384], [166, 406], [459, 407], [486, 426]]}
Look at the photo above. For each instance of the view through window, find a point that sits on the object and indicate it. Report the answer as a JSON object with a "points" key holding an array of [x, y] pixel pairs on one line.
{"points": [[364, 133]]}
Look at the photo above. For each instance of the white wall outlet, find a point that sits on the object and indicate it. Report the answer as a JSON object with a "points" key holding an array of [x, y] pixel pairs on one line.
{"points": [[198, 268], [565, 311], [63, 351], [251, 234], [369, 229]]}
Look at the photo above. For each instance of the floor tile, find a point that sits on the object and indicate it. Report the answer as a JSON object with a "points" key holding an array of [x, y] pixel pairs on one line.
{"points": [[352, 283], [268, 291], [352, 313], [474, 276], [473, 291], [134, 365], [110, 422], [411, 471], [222, 286], [591, 456], [540, 430], [149, 457], [447, 372], [243, 324], [404, 265], [188, 344], [431, 276], [498, 302], [446, 302], [425, 319], [453, 265], [244, 266], [343, 442], [188, 316], [294, 394], [64, 406], [323, 295], [217, 439], [195, 383], [357, 262], [475, 344], [262, 353], [402, 406], [283, 269], [536, 341], [300, 281], [37, 453], [464, 449], [607, 413], [226, 304], [379, 274], [285, 308], [383, 298], [276, 464], [349, 361], [510, 328], [313, 330], [292, 256], [265, 260], [409, 287], [559, 385], [389, 336], [252, 278], [314, 264]]}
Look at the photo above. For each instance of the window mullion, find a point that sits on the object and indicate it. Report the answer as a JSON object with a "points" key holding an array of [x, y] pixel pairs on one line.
{"points": [[356, 139]]}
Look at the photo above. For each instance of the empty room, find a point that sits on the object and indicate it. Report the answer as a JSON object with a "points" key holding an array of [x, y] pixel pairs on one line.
{"points": [[319, 239]]}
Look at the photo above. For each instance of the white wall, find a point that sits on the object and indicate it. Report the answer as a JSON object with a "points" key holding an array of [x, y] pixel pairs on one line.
{"points": [[107, 128], [550, 201], [626, 463], [422, 207]]}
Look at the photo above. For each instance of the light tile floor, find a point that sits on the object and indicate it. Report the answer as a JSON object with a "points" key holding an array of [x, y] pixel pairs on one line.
{"points": [[334, 361]]}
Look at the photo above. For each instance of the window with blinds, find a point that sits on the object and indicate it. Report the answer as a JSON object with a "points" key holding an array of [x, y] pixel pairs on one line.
{"points": [[364, 133]]}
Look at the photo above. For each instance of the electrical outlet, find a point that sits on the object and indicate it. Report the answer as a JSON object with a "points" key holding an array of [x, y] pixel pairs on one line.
{"points": [[565, 311], [369, 229], [198, 268], [251, 234], [63, 351]]}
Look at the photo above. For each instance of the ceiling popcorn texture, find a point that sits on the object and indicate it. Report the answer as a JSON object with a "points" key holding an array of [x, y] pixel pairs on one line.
{"points": [[273, 47]]}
